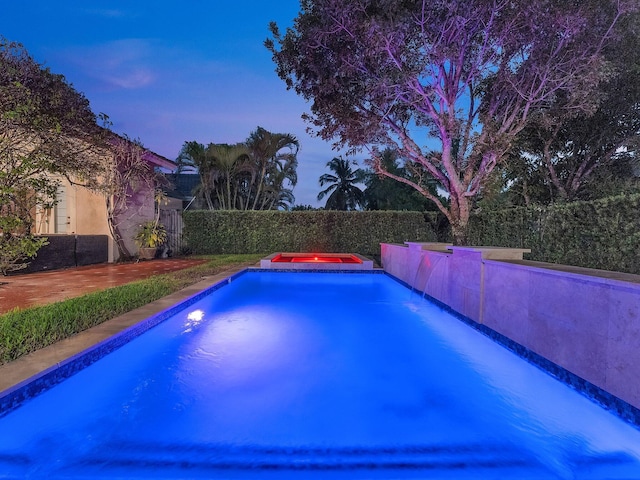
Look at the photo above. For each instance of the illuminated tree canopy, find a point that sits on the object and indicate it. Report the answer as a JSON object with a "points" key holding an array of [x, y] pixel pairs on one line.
{"points": [[448, 84], [573, 154]]}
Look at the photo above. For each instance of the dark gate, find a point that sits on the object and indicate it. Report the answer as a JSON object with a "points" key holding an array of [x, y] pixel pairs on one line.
{"points": [[172, 221]]}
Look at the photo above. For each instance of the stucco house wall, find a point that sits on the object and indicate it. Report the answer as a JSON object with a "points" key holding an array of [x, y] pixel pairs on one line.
{"points": [[80, 211]]}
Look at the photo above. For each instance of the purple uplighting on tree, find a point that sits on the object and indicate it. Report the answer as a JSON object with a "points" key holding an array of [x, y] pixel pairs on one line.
{"points": [[447, 84]]}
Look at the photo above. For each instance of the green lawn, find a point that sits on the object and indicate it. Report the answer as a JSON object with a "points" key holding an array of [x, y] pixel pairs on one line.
{"points": [[24, 331]]}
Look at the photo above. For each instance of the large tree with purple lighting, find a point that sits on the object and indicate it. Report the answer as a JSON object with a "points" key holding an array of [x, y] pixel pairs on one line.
{"points": [[449, 84], [582, 155]]}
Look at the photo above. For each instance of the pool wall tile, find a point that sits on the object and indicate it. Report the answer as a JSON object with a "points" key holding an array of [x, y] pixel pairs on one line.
{"points": [[504, 303], [581, 325], [465, 293]]}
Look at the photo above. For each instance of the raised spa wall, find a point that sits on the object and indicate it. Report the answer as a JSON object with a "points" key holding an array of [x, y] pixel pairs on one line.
{"points": [[585, 321]]}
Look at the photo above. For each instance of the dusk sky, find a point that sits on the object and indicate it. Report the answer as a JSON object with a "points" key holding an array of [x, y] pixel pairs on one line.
{"points": [[169, 72]]}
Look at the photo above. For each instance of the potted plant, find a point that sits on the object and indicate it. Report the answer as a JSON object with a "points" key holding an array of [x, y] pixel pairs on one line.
{"points": [[149, 237]]}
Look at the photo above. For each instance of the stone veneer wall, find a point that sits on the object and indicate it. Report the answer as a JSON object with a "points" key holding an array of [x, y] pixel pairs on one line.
{"points": [[588, 325]]}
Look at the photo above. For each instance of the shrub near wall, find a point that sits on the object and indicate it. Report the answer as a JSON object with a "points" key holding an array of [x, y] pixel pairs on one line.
{"points": [[603, 234], [231, 231]]}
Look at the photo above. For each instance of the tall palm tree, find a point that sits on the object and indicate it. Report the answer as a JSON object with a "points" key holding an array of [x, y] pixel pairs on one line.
{"points": [[228, 160], [342, 190], [274, 158], [197, 155], [218, 165]]}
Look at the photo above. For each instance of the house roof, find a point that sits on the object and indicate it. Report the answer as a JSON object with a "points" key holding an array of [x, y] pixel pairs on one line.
{"points": [[151, 157], [158, 160]]}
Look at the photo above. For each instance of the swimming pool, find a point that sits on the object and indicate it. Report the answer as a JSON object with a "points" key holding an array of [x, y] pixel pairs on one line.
{"points": [[345, 376]]}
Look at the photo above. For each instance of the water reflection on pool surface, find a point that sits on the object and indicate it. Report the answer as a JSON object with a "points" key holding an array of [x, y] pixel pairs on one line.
{"points": [[314, 375]]}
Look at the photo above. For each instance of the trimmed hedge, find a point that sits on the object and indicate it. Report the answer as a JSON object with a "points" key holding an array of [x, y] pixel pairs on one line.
{"points": [[233, 231], [603, 234]]}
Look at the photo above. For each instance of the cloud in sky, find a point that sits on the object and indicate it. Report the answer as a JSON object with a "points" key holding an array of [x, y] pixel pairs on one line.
{"points": [[123, 63]]}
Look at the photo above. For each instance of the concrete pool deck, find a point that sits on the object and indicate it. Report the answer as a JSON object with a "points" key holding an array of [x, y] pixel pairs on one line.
{"points": [[34, 363]]}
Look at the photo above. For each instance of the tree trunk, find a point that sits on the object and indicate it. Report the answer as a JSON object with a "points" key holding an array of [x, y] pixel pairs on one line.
{"points": [[459, 211], [113, 222], [123, 251], [229, 206], [459, 233], [263, 172]]}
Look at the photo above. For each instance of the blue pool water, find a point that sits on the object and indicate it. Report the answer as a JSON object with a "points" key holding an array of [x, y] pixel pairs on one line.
{"points": [[302, 375]]}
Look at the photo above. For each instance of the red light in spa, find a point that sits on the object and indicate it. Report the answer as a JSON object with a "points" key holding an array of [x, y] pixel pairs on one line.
{"points": [[322, 258]]}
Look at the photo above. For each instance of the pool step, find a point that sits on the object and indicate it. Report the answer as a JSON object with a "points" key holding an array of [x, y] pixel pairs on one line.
{"points": [[464, 461], [315, 458], [202, 460]]}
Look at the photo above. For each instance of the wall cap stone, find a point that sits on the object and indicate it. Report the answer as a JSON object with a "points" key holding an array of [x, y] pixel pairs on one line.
{"points": [[431, 246], [494, 253]]}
